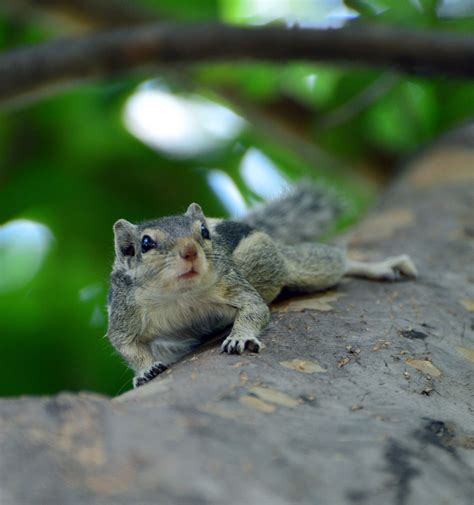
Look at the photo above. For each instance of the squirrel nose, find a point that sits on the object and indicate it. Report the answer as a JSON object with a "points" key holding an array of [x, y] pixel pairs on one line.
{"points": [[188, 252]]}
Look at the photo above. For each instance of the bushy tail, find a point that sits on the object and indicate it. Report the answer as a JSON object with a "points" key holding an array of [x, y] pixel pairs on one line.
{"points": [[303, 214]]}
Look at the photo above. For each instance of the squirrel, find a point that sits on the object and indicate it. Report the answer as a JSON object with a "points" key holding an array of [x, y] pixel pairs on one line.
{"points": [[178, 280]]}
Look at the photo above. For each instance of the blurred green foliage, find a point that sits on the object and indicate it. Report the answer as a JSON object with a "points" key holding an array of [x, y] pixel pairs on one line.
{"points": [[69, 163]]}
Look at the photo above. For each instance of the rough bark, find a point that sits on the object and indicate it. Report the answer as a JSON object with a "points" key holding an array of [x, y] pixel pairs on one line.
{"points": [[108, 53], [378, 409]]}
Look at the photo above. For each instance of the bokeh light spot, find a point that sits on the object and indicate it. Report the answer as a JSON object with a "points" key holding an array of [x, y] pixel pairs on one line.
{"points": [[261, 175], [181, 127], [304, 13], [227, 192], [23, 248]]}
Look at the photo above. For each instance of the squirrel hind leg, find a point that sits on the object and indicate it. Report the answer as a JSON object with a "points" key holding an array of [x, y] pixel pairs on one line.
{"points": [[390, 269], [313, 267]]}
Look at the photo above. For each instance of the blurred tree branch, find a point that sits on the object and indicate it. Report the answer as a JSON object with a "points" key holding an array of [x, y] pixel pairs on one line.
{"points": [[83, 13], [285, 114], [118, 51], [284, 118]]}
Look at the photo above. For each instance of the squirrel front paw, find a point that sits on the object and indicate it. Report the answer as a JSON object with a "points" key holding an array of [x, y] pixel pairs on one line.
{"points": [[236, 345], [149, 373]]}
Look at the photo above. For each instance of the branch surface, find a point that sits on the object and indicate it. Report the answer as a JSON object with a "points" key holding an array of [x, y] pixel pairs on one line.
{"points": [[113, 52], [361, 395]]}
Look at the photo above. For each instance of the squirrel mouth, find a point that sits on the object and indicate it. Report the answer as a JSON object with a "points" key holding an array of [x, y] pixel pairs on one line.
{"points": [[188, 275]]}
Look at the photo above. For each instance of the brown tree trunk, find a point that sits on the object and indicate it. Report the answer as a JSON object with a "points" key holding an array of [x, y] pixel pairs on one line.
{"points": [[362, 395]]}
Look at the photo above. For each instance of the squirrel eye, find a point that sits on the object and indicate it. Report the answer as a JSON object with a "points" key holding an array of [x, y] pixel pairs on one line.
{"points": [[147, 243], [205, 232]]}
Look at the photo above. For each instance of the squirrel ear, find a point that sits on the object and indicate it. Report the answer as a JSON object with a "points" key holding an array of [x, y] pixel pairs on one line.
{"points": [[195, 212], [124, 232]]}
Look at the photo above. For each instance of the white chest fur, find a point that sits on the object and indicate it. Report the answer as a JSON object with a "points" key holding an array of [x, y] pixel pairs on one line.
{"points": [[184, 319]]}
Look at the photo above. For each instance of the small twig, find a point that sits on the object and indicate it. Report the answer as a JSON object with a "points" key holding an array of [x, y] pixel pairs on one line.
{"points": [[360, 102]]}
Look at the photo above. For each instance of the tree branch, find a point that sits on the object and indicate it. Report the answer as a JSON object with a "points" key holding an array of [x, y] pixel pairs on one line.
{"points": [[368, 386], [95, 13], [109, 53]]}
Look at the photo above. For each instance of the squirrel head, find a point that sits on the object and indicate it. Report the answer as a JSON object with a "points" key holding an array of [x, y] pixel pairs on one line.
{"points": [[171, 254]]}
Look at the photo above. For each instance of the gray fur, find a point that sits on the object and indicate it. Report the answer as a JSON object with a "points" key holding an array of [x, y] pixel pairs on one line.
{"points": [[163, 304], [312, 268], [303, 214], [231, 233], [173, 226]]}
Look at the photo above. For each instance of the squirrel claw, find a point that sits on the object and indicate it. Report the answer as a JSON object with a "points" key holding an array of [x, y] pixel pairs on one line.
{"points": [[398, 267], [233, 345], [148, 374]]}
